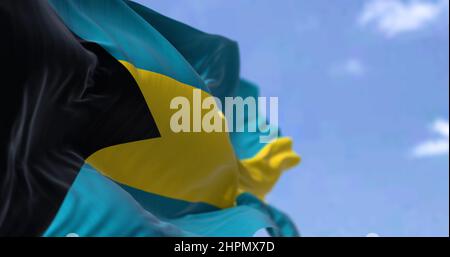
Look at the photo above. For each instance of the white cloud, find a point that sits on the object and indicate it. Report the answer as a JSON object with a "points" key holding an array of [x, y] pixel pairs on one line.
{"points": [[438, 146], [393, 17], [351, 67]]}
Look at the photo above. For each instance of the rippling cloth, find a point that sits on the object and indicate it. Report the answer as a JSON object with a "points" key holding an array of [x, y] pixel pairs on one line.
{"points": [[85, 140]]}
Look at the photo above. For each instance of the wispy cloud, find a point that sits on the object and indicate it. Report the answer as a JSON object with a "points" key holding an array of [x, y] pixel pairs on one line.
{"points": [[353, 67], [438, 146], [393, 17]]}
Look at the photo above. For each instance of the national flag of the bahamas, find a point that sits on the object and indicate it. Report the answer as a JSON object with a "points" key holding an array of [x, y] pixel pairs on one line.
{"points": [[86, 146]]}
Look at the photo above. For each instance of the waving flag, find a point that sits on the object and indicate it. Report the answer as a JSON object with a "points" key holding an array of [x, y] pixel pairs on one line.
{"points": [[86, 144]]}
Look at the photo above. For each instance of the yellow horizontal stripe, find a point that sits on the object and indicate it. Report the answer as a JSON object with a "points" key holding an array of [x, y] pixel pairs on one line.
{"points": [[195, 167], [259, 174]]}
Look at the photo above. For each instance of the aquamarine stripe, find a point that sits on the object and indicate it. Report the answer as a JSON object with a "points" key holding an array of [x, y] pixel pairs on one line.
{"points": [[247, 144], [167, 208], [95, 206], [215, 58], [204, 219], [282, 224], [126, 36], [240, 221]]}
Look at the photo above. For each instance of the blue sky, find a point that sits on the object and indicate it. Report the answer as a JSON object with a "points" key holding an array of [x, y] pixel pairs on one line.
{"points": [[363, 89]]}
